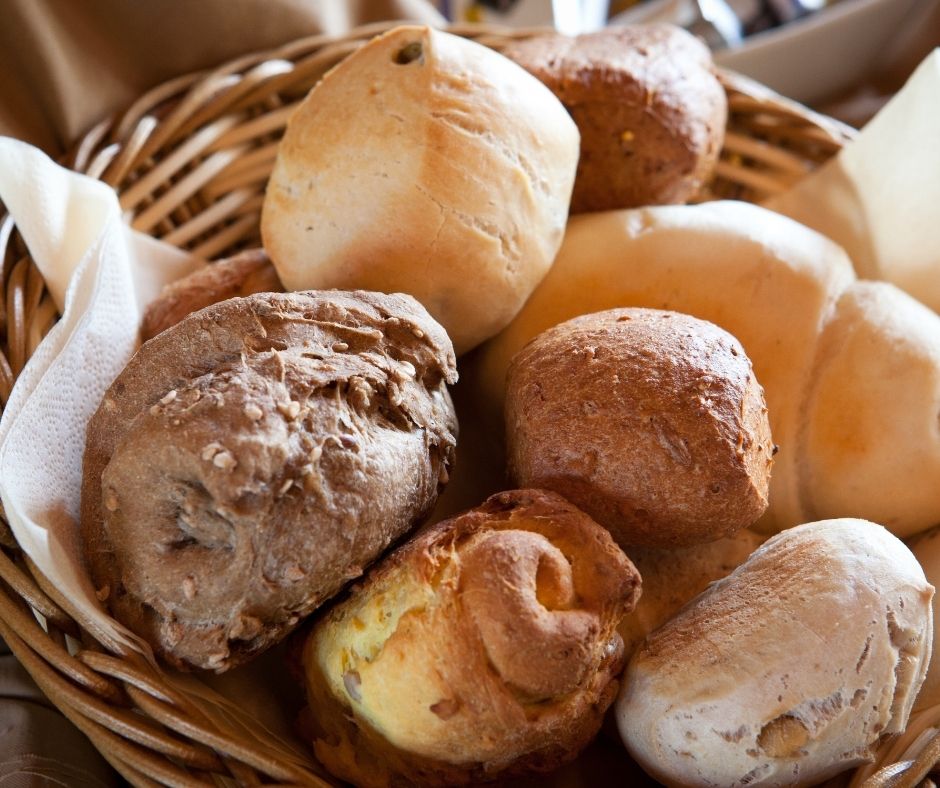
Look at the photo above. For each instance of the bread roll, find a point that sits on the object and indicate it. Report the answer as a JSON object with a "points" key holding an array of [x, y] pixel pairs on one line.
{"points": [[244, 274], [673, 577], [650, 421], [774, 285], [789, 670], [257, 455], [485, 647], [649, 107], [872, 440], [428, 164]]}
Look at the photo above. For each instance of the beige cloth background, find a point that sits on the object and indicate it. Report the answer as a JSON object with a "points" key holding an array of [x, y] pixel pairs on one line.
{"points": [[65, 64]]}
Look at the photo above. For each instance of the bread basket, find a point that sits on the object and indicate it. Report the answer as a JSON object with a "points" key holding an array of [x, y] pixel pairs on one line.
{"points": [[189, 161]]}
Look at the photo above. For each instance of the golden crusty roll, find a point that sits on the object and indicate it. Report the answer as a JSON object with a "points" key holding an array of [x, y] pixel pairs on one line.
{"points": [[842, 363], [246, 273], [673, 577], [428, 164], [789, 670], [255, 457], [650, 421], [871, 440], [650, 110], [485, 647]]}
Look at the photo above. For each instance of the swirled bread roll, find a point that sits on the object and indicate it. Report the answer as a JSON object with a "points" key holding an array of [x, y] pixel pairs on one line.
{"points": [[650, 421], [256, 456], [485, 647], [428, 164], [649, 107], [789, 670]]}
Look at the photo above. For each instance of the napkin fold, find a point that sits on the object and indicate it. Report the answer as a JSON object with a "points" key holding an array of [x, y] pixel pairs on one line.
{"points": [[879, 197]]}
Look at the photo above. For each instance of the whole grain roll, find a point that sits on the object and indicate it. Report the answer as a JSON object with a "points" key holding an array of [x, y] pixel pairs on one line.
{"points": [[428, 164], [486, 647], [788, 671], [256, 456], [650, 110], [650, 421]]}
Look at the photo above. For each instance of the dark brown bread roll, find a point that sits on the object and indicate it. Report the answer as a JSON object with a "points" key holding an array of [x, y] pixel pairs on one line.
{"points": [[649, 107], [255, 457], [485, 647], [650, 421]]}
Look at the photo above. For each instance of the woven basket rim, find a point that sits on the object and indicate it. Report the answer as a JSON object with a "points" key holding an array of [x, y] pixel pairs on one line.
{"points": [[149, 732]]}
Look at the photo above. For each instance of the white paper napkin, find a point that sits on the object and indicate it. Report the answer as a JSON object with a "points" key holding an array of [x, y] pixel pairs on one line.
{"points": [[101, 274], [879, 197]]}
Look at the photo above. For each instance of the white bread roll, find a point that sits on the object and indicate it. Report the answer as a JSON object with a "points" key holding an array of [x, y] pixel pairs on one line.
{"points": [[427, 164], [764, 278], [872, 441], [673, 577], [787, 671]]}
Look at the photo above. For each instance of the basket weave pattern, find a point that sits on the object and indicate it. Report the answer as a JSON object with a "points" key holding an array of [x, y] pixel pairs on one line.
{"points": [[189, 161]]}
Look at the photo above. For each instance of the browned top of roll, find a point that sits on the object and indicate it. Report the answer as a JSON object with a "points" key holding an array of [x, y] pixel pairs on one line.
{"points": [[486, 646], [246, 273], [649, 108], [255, 456], [650, 421]]}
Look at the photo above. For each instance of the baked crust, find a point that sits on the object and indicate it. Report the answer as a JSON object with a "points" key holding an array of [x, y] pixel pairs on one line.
{"points": [[256, 456], [788, 671], [429, 164], [649, 108], [246, 273], [650, 421], [485, 647]]}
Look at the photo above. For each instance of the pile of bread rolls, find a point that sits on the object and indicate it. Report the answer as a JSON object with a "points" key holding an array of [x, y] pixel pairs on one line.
{"points": [[664, 385]]}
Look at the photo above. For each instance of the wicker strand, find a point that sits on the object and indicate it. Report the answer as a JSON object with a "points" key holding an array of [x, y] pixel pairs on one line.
{"points": [[908, 774], [73, 705], [26, 588]]}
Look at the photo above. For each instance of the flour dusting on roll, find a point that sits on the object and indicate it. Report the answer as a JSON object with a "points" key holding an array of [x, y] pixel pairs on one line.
{"points": [[789, 670]]}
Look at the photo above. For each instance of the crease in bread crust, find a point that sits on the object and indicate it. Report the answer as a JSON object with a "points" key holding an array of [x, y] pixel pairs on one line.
{"points": [[255, 457]]}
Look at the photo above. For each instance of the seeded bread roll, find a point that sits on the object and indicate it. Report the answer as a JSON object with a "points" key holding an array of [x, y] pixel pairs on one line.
{"points": [[428, 164], [648, 105], [257, 455], [650, 421], [788, 671], [486, 647]]}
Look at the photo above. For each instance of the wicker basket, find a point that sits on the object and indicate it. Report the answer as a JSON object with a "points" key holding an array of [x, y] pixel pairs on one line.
{"points": [[189, 161]]}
